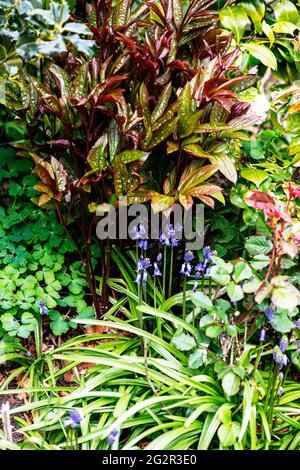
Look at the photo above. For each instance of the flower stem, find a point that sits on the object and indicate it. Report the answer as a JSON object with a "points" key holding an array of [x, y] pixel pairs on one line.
{"points": [[184, 298], [171, 272], [164, 272]]}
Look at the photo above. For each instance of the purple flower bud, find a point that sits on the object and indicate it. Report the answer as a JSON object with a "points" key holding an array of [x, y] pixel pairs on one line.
{"points": [[285, 360], [297, 324], [112, 437], [283, 343], [28, 354], [174, 242], [159, 257], [138, 232], [163, 240], [145, 277], [156, 271], [280, 376], [43, 308], [262, 335], [186, 269], [188, 256], [75, 417], [280, 392], [143, 244], [207, 252], [270, 314]]}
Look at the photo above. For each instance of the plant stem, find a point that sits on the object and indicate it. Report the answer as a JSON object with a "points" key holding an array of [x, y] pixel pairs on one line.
{"points": [[164, 273], [184, 298], [171, 272]]}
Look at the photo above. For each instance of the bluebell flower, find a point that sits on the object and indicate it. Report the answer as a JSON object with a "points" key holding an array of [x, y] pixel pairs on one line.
{"points": [[279, 357], [197, 278], [159, 257], [138, 232], [280, 376], [28, 354], [280, 392], [270, 314], [143, 244], [207, 253], [43, 308], [75, 417], [112, 437], [156, 271], [283, 343], [141, 266], [188, 256], [163, 240], [186, 269], [262, 335], [297, 324]]}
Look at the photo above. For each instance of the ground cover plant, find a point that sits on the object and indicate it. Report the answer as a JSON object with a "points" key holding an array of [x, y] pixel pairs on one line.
{"points": [[142, 343]]}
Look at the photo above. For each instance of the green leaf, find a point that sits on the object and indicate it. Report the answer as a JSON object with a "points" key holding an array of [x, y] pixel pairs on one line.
{"points": [[282, 323], [262, 53], [256, 11], [228, 433], [284, 27], [162, 133], [197, 358], [183, 342], [260, 262], [287, 296], [187, 123], [129, 156], [286, 11], [231, 384], [201, 300], [235, 292], [242, 271], [58, 324], [161, 103], [235, 19], [268, 31], [9, 323], [213, 331], [253, 175], [258, 245]]}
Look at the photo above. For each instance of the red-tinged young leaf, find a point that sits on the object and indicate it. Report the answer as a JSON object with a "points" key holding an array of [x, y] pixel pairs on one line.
{"points": [[60, 174], [259, 200]]}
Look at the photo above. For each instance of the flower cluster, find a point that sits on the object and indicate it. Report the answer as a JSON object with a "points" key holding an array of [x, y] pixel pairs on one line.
{"points": [[168, 238], [75, 417], [142, 265], [203, 268], [280, 357]]}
